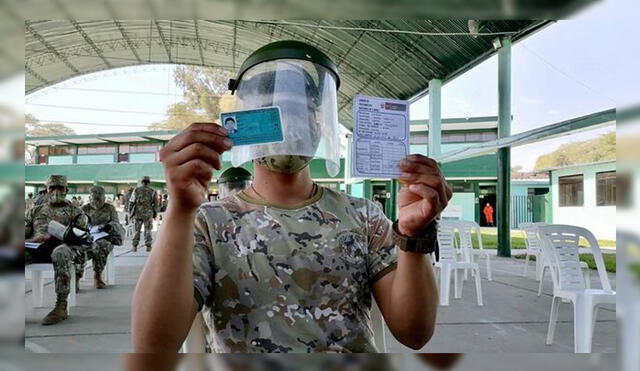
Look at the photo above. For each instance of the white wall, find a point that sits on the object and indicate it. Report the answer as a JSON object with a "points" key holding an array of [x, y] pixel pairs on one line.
{"points": [[600, 220]]}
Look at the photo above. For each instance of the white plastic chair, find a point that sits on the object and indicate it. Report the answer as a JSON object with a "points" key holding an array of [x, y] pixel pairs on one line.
{"points": [[466, 229], [448, 263], [195, 341], [533, 243], [37, 282], [561, 244]]}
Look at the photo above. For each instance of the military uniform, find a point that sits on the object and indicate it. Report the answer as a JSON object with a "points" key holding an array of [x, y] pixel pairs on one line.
{"points": [[142, 209], [102, 215], [63, 256], [290, 279]]}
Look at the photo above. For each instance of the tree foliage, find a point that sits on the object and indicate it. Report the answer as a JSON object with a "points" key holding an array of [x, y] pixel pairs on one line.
{"points": [[204, 97], [36, 128], [583, 152]]}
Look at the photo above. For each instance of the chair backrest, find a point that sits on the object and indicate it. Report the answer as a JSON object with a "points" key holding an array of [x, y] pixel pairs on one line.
{"points": [[561, 245], [532, 241], [466, 230], [446, 241]]}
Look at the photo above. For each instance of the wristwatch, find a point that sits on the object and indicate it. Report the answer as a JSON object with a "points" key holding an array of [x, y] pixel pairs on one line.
{"points": [[425, 243]]}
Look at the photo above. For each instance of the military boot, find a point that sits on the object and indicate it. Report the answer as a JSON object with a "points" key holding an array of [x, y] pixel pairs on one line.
{"points": [[78, 278], [58, 314], [148, 248], [98, 283]]}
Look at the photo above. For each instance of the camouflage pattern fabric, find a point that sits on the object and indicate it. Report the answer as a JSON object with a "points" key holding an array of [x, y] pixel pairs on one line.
{"points": [[148, 225], [63, 256], [276, 279], [101, 216], [144, 199]]}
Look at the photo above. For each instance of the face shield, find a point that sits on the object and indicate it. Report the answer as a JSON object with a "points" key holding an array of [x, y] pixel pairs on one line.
{"points": [[97, 197], [306, 94]]}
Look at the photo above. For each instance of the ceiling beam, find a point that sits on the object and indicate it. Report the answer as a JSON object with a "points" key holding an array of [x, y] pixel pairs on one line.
{"points": [[165, 43], [89, 41], [50, 47], [197, 29], [127, 40]]}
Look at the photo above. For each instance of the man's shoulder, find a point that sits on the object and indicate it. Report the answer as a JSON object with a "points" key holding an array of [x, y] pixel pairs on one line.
{"points": [[348, 200]]}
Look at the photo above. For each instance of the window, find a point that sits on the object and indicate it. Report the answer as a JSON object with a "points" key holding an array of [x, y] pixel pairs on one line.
{"points": [[97, 149], [606, 188], [139, 148], [571, 190], [60, 151]]}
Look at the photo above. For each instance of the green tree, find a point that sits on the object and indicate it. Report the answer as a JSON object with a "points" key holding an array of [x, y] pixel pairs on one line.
{"points": [[594, 150], [36, 128], [204, 97]]}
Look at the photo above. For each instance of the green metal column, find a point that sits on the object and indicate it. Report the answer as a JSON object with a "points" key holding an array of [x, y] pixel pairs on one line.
{"points": [[347, 165], [476, 202], [435, 117], [503, 206]]}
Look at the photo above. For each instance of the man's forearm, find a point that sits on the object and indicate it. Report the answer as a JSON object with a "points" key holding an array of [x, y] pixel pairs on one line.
{"points": [[414, 299], [163, 298]]}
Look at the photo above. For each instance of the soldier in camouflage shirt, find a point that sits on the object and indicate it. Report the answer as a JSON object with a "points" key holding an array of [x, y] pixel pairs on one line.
{"points": [[36, 225], [297, 278], [105, 217], [286, 265], [143, 208]]}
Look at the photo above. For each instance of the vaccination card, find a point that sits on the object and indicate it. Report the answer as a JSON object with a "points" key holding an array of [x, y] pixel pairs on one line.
{"points": [[254, 126]]}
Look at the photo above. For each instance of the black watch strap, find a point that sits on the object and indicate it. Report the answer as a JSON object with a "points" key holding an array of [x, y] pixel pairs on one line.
{"points": [[426, 243]]}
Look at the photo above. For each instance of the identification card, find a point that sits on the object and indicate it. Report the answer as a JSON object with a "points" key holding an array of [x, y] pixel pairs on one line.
{"points": [[254, 126]]}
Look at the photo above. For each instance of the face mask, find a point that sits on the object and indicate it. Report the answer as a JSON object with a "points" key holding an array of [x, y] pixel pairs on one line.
{"points": [[287, 164], [57, 197], [97, 201]]}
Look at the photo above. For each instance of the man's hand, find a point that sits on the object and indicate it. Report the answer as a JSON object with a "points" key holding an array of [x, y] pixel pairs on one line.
{"points": [[424, 195], [189, 161]]}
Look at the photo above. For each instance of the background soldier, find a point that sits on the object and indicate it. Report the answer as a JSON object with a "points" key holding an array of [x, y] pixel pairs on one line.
{"points": [[28, 203], [105, 217], [57, 208], [143, 208], [233, 180], [127, 200], [42, 198]]}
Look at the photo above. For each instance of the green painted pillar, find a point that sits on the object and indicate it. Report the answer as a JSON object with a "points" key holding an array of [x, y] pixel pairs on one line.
{"points": [[435, 117], [347, 165], [367, 189], [476, 201], [393, 215], [503, 206]]}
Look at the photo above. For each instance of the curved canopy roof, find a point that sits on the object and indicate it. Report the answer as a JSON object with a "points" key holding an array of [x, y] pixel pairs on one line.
{"points": [[393, 58]]}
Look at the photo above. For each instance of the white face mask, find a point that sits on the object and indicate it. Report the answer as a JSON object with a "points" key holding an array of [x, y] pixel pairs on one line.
{"points": [[287, 164], [57, 197]]}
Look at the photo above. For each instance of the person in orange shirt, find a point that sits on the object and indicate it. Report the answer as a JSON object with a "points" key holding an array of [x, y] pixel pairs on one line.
{"points": [[488, 214]]}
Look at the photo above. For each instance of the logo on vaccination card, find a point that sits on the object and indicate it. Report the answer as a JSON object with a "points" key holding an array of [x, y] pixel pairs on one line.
{"points": [[254, 126]]}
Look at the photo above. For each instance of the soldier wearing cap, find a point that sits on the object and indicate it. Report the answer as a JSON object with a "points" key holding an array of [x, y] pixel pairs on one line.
{"points": [[60, 209], [105, 217], [232, 181], [143, 208]]}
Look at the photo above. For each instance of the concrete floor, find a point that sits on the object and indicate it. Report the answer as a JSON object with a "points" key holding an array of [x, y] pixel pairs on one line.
{"points": [[512, 320]]}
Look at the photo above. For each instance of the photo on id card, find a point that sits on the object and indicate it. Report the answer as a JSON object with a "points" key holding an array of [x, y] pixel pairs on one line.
{"points": [[254, 126]]}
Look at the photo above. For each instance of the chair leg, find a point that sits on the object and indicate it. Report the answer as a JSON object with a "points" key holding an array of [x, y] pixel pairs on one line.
{"points": [[445, 284], [582, 322], [488, 267], [541, 281], [72, 288], [111, 269], [553, 317], [526, 264], [478, 287], [457, 283], [587, 277], [37, 281]]}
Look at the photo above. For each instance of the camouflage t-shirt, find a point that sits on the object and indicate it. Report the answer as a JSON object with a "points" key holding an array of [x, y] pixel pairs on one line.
{"points": [[299, 279]]}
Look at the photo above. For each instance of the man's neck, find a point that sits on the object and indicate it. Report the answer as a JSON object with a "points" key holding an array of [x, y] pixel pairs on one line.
{"points": [[279, 188]]}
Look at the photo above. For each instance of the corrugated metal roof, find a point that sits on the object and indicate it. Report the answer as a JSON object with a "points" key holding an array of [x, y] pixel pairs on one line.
{"points": [[390, 58]]}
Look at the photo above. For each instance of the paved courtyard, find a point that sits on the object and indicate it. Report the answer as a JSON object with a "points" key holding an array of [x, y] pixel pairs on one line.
{"points": [[512, 320]]}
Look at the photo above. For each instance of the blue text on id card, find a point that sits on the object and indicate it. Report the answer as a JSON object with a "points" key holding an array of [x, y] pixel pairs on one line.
{"points": [[254, 126]]}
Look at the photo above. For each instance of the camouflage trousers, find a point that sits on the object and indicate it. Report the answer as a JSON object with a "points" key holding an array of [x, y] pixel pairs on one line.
{"points": [[64, 255], [148, 225]]}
